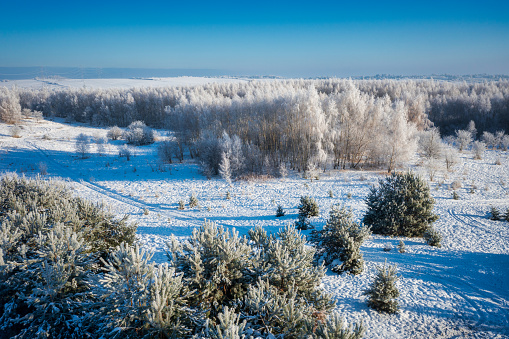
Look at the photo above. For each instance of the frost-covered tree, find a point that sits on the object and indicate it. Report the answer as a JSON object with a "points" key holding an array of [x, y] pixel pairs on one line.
{"points": [[383, 292], [115, 133], [430, 144], [489, 139], [464, 139], [478, 148], [10, 108], [401, 206], [224, 168], [338, 243], [82, 145], [450, 157], [139, 134]]}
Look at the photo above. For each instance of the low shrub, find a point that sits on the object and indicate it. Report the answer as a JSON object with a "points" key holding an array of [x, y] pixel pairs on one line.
{"points": [[139, 134], [280, 212], [308, 207], [433, 237], [383, 292], [338, 243]]}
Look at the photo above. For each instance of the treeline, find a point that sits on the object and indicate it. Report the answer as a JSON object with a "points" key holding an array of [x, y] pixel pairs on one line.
{"points": [[300, 123]]}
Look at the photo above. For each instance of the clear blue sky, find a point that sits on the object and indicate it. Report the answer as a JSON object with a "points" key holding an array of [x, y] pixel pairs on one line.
{"points": [[289, 38]]}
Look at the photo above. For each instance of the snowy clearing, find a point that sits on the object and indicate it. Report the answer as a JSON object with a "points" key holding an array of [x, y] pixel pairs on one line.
{"points": [[460, 290]]}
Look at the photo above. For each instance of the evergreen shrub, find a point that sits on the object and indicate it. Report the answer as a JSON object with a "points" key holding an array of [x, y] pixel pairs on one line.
{"points": [[400, 206], [340, 240], [383, 292], [433, 237], [308, 207]]}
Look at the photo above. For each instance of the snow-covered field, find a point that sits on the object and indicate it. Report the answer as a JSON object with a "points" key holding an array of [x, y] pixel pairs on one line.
{"points": [[460, 290], [65, 83]]}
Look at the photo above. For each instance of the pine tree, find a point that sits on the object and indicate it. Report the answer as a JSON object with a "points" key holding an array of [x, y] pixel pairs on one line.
{"points": [[495, 213], [280, 212], [341, 239], [308, 207], [383, 291], [401, 206]]}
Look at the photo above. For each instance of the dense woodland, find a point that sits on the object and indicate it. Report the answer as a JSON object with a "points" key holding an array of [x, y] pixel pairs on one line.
{"points": [[259, 126]]}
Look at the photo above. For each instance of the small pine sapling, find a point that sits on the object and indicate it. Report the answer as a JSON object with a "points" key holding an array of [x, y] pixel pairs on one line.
{"points": [[308, 207], [455, 195], [228, 195], [383, 292], [145, 211], [495, 213], [280, 212], [331, 194], [433, 237], [193, 201], [341, 239], [182, 205], [303, 223], [401, 247], [387, 247]]}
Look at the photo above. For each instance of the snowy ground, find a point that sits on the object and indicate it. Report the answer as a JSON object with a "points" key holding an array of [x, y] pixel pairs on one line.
{"points": [[113, 83], [458, 291]]}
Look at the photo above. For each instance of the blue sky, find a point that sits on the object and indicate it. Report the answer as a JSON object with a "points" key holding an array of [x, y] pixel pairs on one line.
{"points": [[289, 38]]}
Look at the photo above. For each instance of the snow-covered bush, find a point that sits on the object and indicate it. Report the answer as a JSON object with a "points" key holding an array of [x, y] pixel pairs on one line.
{"points": [[114, 133], [139, 134], [193, 201], [456, 184], [489, 139], [263, 285], [479, 148], [504, 143], [15, 131], [52, 242], [82, 145], [340, 240], [400, 206], [433, 237], [140, 299], [308, 207], [463, 138], [383, 291]]}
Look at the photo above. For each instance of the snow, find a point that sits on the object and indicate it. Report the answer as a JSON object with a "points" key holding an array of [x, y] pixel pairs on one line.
{"points": [[460, 290], [63, 83]]}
